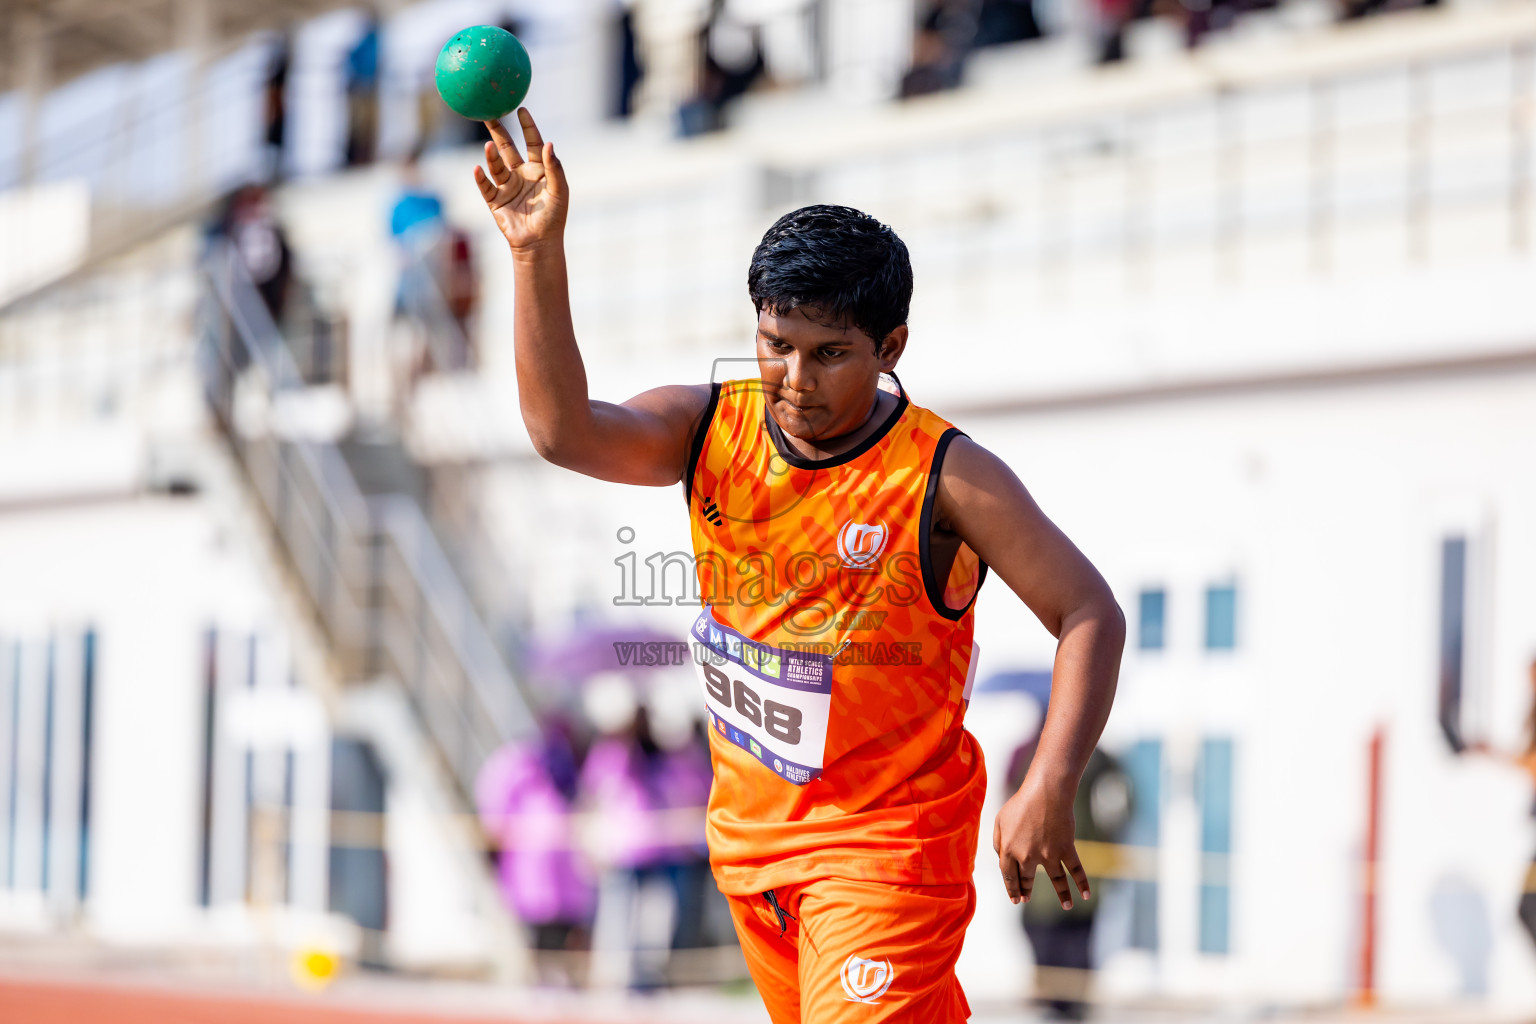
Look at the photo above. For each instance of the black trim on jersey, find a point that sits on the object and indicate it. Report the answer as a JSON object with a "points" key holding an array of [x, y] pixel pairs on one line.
{"points": [[699, 434], [794, 458], [925, 530]]}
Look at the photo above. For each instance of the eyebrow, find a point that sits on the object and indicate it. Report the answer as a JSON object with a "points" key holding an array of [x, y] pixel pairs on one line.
{"points": [[820, 344]]}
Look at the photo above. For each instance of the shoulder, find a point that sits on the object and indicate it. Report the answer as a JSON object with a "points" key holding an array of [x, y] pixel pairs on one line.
{"points": [[678, 403], [968, 467], [975, 486], [699, 404]]}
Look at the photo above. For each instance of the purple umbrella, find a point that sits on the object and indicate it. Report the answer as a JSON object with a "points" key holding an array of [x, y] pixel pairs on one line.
{"points": [[588, 651]]}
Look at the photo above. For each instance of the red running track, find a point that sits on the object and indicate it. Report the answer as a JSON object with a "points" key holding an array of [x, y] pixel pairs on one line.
{"points": [[33, 1002]]}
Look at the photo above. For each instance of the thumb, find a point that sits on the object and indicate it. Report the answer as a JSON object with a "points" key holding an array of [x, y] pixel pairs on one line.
{"points": [[556, 171]]}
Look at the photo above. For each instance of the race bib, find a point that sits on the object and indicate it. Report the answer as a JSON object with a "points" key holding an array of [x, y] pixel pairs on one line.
{"points": [[770, 701]]}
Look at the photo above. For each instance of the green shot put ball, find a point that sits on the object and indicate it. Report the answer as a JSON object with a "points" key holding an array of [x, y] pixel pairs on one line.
{"points": [[483, 73]]}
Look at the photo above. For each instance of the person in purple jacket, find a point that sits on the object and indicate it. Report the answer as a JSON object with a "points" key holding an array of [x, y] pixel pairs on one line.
{"points": [[542, 877]]}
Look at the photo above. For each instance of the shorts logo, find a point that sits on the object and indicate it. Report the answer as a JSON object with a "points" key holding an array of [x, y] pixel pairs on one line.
{"points": [[859, 544], [865, 981]]}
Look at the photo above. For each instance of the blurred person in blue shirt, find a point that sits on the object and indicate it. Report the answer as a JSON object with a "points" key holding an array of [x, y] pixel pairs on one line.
{"points": [[436, 289], [418, 209]]}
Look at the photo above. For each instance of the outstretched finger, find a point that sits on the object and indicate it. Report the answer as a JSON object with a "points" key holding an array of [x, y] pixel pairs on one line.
{"points": [[1079, 876], [496, 169], [555, 176], [483, 182], [1026, 882], [531, 137], [1058, 876], [1011, 876], [505, 147]]}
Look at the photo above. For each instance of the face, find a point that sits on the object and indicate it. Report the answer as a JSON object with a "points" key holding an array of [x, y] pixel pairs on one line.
{"points": [[820, 379]]}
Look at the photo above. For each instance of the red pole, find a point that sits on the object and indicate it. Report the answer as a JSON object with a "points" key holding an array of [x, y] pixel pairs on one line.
{"points": [[1366, 996]]}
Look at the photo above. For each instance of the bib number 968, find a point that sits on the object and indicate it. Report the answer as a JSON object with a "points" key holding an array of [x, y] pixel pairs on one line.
{"points": [[780, 721]]}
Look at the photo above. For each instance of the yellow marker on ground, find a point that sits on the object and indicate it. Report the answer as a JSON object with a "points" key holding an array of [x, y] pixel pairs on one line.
{"points": [[313, 968]]}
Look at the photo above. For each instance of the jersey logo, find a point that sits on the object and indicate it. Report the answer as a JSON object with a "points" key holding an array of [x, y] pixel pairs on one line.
{"points": [[859, 544], [711, 511], [865, 981]]}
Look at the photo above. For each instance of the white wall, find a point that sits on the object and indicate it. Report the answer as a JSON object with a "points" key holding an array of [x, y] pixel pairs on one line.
{"points": [[150, 575]]}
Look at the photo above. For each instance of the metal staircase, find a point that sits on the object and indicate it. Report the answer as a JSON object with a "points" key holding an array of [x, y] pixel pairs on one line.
{"points": [[379, 581]]}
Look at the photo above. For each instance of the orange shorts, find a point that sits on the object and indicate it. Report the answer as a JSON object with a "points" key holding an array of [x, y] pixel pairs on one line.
{"points": [[857, 951]]}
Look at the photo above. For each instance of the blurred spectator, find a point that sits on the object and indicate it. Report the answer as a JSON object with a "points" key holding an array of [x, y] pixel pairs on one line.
{"points": [[1111, 18], [248, 222], [461, 290], [730, 63], [937, 52], [681, 776], [417, 208], [1214, 17], [1006, 21], [948, 30], [437, 289], [1364, 8], [362, 73], [629, 71], [525, 810], [624, 841], [1063, 939], [275, 108]]}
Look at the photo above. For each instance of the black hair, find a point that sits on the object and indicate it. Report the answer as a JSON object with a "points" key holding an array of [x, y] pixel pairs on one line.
{"points": [[837, 263]]}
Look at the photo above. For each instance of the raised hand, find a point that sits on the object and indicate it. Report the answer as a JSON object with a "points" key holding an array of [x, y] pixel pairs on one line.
{"points": [[527, 197]]}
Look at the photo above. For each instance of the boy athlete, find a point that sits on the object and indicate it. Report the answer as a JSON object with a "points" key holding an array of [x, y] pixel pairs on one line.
{"points": [[841, 534]]}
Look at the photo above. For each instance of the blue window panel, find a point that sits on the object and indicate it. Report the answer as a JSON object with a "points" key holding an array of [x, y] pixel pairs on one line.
{"points": [[1150, 620], [1214, 917], [1213, 790], [1144, 915], [1221, 618], [1144, 764]]}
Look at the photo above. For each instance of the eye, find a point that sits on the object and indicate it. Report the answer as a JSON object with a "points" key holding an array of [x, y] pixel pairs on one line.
{"points": [[833, 353], [776, 345]]}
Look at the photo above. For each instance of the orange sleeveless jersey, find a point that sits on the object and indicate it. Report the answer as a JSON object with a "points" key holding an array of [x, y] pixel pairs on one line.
{"points": [[836, 666]]}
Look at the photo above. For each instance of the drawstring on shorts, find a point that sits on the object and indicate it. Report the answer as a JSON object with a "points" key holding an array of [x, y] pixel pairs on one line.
{"points": [[783, 915]]}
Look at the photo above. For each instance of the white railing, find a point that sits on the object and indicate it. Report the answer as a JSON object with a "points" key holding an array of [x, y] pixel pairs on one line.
{"points": [[1377, 148]]}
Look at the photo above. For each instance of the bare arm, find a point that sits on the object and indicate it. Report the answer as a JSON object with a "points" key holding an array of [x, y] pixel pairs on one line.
{"points": [[981, 499], [643, 441]]}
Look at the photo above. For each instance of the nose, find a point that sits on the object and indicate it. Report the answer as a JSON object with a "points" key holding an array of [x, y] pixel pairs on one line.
{"points": [[798, 375]]}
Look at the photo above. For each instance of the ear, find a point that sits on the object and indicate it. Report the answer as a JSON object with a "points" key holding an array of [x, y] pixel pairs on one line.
{"points": [[890, 350]]}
